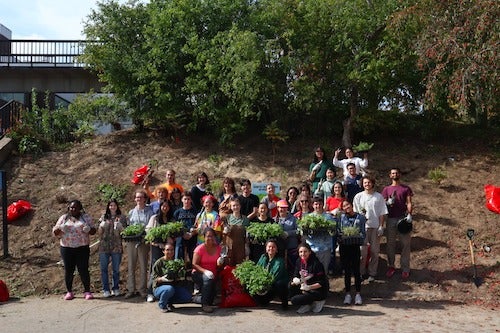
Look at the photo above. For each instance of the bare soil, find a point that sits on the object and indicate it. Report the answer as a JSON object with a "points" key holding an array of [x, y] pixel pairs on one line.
{"points": [[441, 260]]}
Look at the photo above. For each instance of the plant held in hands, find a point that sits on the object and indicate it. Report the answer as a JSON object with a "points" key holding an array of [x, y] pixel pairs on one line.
{"points": [[362, 147], [312, 223], [261, 232], [164, 231], [256, 279], [133, 232]]}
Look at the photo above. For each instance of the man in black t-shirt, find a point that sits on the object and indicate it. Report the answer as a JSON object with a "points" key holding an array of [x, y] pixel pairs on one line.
{"points": [[249, 202]]}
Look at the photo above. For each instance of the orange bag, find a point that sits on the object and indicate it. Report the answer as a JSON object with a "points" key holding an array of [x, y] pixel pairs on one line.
{"points": [[492, 198], [17, 209]]}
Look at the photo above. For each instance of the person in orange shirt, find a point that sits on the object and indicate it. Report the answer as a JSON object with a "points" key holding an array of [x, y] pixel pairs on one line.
{"points": [[170, 184]]}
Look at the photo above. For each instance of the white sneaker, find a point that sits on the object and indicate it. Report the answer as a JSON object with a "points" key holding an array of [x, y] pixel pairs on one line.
{"points": [[115, 292], [106, 294], [371, 279], [317, 306], [304, 308], [150, 298], [358, 300], [348, 299]]}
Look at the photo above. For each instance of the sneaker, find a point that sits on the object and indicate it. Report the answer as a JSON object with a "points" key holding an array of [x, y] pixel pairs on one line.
{"points": [[317, 306], [150, 299], [166, 309], [197, 299], [371, 279], [358, 300], [116, 292], [207, 308], [405, 275], [196, 291], [348, 299], [88, 295], [390, 272], [304, 308], [106, 294], [69, 296]]}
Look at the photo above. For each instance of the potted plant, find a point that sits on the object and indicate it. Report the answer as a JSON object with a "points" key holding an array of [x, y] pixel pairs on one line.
{"points": [[314, 223], [133, 233], [161, 233], [259, 233], [256, 279], [362, 147]]}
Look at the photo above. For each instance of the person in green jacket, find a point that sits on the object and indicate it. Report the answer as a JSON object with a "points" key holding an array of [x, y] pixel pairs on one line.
{"points": [[276, 266]]}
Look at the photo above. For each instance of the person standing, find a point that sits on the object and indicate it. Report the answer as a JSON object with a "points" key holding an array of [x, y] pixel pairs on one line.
{"points": [[138, 251], [170, 184], [371, 204], [399, 205], [318, 167], [249, 201], [199, 190], [352, 182], [236, 235], [360, 163], [187, 215], [289, 237], [73, 230], [349, 248], [110, 246], [270, 200]]}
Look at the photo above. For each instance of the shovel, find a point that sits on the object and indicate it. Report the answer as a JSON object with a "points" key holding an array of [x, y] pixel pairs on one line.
{"points": [[476, 279]]}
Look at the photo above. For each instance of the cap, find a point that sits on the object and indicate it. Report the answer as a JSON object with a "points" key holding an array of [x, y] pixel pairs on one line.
{"points": [[282, 203]]}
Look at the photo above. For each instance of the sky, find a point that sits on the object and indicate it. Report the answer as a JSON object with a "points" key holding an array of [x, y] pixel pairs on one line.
{"points": [[46, 19]]}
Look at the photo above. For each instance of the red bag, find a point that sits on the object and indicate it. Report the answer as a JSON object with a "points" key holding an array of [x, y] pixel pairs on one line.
{"points": [[232, 293], [17, 209], [4, 292], [492, 198], [140, 174]]}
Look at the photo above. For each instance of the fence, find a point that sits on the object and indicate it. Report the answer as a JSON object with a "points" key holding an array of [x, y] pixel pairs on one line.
{"points": [[10, 113]]}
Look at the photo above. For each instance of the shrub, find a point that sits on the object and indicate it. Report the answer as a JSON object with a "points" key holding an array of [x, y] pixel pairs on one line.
{"points": [[437, 175]]}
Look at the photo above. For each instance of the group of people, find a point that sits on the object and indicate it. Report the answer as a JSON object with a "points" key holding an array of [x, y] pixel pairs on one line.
{"points": [[215, 235]]}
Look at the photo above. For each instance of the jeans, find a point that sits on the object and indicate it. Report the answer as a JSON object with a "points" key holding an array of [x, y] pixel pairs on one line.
{"points": [[116, 259], [179, 250], [168, 294], [207, 287]]}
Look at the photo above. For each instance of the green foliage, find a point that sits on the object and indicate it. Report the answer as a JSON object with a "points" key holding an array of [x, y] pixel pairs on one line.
{"points": [[175, 269], [215, 186], [437, 175], [164, 231], [362, 146], [133, 230], [276, 135], [312, 223], [29, 145], [215, 160], [261, 232], [350, 231], [256, 279], [109, 191]]}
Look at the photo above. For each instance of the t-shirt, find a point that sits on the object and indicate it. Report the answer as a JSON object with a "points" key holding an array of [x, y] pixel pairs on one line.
{"points": [[401, 193], [207, 261], [372, 206], [333, 202], [208, 220], [248, 203], [187, 216]]}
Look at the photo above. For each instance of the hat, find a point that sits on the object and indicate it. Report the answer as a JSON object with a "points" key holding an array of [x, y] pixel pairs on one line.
{"points": [[282, 203], [404, 226]]}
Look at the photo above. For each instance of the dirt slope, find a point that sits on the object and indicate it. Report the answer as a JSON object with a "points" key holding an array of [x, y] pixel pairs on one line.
{"points": [[441, 263]]}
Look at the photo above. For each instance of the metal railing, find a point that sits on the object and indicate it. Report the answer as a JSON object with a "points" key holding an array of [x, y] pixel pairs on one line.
{"points": [[41, 53], [10, 114]]}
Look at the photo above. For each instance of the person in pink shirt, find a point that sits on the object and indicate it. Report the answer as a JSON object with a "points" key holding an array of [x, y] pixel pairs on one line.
{"points": [[73, 230]]}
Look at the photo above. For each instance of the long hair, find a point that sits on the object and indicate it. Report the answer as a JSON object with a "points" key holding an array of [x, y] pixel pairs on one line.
{"points": [[160, 219], [107, 214], [315, 158]]}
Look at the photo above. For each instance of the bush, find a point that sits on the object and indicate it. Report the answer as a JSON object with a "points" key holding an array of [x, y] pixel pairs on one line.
{"points": [[437, 175], [110, 191]]}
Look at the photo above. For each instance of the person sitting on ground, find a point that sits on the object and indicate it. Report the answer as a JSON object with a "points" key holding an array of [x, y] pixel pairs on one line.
{"points": [[309, 286], [349, 247], [271, 199], [360, 164], [169, 285], [206, 263], [275, 265]]}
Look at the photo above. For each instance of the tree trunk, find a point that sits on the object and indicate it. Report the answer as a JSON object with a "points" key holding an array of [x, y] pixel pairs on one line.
{"points": [[348, 123]]}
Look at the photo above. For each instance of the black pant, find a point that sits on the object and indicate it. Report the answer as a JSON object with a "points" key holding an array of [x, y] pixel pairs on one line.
{"points": [[350, 259], [76, 257], [277, 289], [207, 287], [300, 298]]}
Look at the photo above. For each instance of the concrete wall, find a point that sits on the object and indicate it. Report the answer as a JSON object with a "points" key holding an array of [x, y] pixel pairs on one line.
{"points": [[6, 147]]}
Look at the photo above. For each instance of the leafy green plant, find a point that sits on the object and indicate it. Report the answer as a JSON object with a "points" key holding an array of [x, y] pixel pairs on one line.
{"points": [[29, 145], [256, 279], [175, 269], [350, 231], [362, 146], [109, 191], [313, 223], [276, 135], [215, 160], [215, 186], [162, 232], [437, 175], [133, 230], [261, 232]]}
